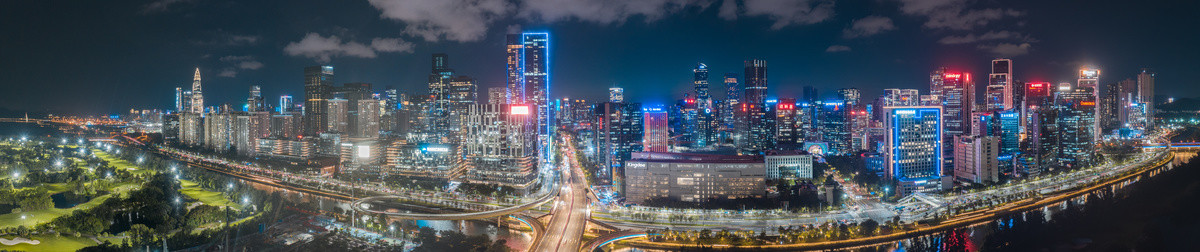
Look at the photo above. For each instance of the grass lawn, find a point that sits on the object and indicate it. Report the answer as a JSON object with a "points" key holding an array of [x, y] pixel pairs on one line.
{"points": [[193, 190], [33, 218], [50, 243], [120, 163]]}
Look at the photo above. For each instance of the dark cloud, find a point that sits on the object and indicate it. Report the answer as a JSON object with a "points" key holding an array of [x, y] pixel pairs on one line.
{"points": [[837, 48], [161, 6], [323, 49], [868, 26], [954, 14], [1006, 50], [992, 35], [469, 20]]}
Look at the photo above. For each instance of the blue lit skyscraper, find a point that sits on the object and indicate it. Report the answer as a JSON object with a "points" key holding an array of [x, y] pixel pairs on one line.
{"points": [[528, 66], [913, 148], [1008, 124]]}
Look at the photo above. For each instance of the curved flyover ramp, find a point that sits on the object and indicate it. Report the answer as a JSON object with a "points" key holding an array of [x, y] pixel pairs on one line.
{"points": [[366, 205]]}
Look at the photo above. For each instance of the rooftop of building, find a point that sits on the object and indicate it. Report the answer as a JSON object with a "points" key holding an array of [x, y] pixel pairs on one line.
{"points": [[694, 158]]}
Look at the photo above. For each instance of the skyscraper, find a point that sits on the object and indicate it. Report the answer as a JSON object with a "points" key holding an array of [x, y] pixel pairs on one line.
{"points": [[1110, 106], [958, 100], [755, 79], [255, 102], [516, 75], [616, 94], [850, 96], [786, 130], [999, 88], [732, 98], [367, 119], [913, 148], [834, 119], [619, 133], [179, 100], [700, 82], [935, 81], [285, 103], [338, 116], [1076, 125], [757, 136], [705, 120], [1090, 78], [318, 85], [810, 94], [657, 133], [1145, 82], [197, 96]]}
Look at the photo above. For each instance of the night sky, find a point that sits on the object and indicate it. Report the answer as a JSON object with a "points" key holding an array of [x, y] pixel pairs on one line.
{"points": [[109, 56]]}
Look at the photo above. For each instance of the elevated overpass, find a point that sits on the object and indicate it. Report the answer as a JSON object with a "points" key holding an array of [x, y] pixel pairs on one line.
{"points": [[612, 237]]}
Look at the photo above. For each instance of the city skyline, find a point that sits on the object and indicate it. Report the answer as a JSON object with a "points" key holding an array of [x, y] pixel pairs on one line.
{"points": [[259, 55]]}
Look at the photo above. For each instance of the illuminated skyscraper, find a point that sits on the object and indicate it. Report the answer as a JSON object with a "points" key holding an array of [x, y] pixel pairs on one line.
{"points": [[616, 94], [704, 121], [893, 97], [755, 79], [700, 82], [999, 88], [255, 102], [516, 77], [197, 96], [338, 115], [958, 100], [1145, 93], [786, 130], [936, 81], [285, 103], [850, 96], [318, 85], [657, 135], [367, 119], [1076, 124], [619, 133], [497, 95], [1090, 78], [179, 98], [833, 116], [757, 130], [497, 146], [733, 94], [913, 148]]}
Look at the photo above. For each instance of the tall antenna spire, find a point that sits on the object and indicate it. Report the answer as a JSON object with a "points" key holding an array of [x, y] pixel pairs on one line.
{"points": [[197, 96]]}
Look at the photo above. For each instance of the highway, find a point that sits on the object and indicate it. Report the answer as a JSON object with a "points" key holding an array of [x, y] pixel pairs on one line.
{"points": [[570, 212]]}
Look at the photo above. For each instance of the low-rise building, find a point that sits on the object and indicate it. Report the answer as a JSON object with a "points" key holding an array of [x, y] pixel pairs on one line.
{"points": [[693, 177]]}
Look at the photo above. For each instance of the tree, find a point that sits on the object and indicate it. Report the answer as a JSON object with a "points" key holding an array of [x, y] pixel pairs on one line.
{"points": [[867, 228]]}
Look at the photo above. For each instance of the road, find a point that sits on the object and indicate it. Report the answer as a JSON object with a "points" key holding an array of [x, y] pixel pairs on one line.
{"points": [[570, 212]]}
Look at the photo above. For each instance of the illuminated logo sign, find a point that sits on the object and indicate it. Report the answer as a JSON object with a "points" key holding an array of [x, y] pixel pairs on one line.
{"points": [[520, 110], [435, 148], [950, 75], [364, 151], [1087, 103]]}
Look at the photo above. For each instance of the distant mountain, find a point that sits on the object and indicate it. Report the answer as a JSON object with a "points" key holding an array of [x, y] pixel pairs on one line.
{"points": [[1181, 104]]}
